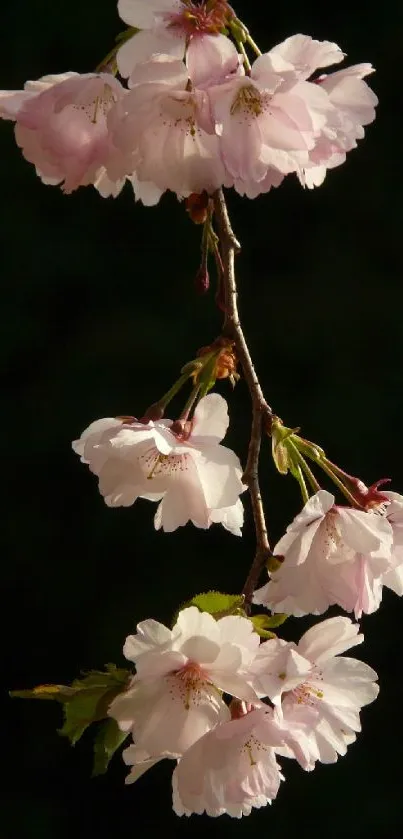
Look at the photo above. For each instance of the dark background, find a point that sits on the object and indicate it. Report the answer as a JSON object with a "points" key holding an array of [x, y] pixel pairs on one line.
{"points": [[99, 314]]}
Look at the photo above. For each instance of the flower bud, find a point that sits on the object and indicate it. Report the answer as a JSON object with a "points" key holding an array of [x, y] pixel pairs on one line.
{"points": [[197, 207], [202, 280]]}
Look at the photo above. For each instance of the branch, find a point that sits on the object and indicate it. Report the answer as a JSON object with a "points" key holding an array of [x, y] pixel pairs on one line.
{"points": [[261, 411]]}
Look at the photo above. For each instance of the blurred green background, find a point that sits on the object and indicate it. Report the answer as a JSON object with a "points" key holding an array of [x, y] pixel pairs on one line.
{"points": [[99, 314]]}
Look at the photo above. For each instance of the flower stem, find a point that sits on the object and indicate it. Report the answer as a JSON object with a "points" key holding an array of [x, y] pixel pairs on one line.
{"points": [[261, 411], [246, 62], [323, 463], [164, 401], [190, 402], [253, 45], [315, 485], [302, 484]]}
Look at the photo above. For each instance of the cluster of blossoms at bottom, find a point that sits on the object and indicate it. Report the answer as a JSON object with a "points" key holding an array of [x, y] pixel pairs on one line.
{"points": [[194, 117], [298, 701]]}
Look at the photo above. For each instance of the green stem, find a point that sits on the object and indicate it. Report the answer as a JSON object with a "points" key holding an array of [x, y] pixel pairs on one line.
{"points": [[190, 402], [164, 401], [253, 45], [246, 62], [315, 485], [301, 480], [323, 465]]}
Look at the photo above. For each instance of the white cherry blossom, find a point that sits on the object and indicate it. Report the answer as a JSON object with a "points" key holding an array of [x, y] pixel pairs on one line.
{"points": [[164, 132], [232, 769], [194, 478], [313, 675], [175, 696], [332, 555]]}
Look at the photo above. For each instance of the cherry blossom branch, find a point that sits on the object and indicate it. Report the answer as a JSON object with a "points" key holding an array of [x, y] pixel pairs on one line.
{"points": [[261, 411]]}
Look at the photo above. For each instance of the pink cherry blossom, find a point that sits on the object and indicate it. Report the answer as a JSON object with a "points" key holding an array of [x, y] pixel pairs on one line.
{"points": [[230, 770], [164, 131], [265, 121], [170, 27], [354, 104], [332, 555], [278, 119], [194, 478], [174, 698], [313, 675], [61, 128]]}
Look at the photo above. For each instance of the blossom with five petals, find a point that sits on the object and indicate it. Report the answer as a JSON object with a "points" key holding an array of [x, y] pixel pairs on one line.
{"points": [[194, 478], [175, 696], [312, 675]]}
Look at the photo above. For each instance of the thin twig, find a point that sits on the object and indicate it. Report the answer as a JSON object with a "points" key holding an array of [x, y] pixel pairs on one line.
{"points": [[261, 411]]}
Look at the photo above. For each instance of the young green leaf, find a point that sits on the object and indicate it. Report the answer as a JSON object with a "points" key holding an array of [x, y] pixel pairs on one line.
{"points": [[106, 743], [85, 701], [218, 604]]}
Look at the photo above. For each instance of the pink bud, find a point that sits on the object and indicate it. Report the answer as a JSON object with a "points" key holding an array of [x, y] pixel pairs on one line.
{"points": [[202, 280]]}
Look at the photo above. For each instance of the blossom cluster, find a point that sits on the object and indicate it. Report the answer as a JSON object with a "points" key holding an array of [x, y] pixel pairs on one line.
{"points": [[178, 106], [195, 115], [330, 554], [299, 701]]}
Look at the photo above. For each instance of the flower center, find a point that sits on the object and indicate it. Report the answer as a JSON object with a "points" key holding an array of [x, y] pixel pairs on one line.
{"points": [[252, 747], [190, 681], [157, 465], [333, 539], [196, 18], [248, 102], [180, 111], [99, 105], [306, 693]]}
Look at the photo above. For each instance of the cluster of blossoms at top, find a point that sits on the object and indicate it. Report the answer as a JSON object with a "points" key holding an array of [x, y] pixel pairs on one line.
{"points": [[299, 701], [194, 116]]}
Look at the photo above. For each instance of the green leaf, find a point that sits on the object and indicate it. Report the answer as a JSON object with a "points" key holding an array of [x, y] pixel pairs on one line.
{"points": [[218, 604], [280, 456], [85, 701], [264, 623], [60, 693], [106, 743], [91, 699]]}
